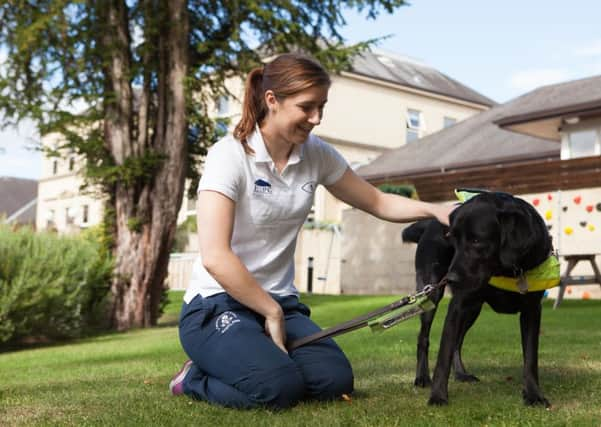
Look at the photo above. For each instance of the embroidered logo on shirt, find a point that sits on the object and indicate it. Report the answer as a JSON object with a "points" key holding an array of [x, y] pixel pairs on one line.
{"points": [[225, 321], [262, 187], [309, 187]]}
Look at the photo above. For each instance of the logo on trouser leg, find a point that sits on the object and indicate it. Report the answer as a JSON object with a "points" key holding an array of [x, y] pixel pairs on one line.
{"points": [[225, 321]]}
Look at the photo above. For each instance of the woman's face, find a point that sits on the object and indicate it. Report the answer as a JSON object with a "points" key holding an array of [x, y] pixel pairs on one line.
{"points": [[294, 117]]}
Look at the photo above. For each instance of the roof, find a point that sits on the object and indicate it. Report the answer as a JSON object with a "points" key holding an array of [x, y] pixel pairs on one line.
{"points": [[17, 194], [474, 141], [412, 73], [542, 111]]}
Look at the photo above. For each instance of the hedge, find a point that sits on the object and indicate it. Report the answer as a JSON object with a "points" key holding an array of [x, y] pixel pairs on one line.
{"points": [[51, 286]]}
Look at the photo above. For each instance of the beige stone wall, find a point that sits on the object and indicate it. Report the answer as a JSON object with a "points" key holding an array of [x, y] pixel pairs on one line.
{"points": [[374, 259]]}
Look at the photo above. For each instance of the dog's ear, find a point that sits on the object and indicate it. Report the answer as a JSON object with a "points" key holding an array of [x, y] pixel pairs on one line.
{"points": [[517, 236]]}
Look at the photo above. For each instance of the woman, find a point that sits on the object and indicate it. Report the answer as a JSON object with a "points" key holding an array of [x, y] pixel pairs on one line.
{"points": [[256, 191]]}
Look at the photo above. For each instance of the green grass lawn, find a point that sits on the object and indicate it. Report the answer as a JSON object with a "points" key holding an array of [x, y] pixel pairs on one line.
{"points": [[121, 379]]}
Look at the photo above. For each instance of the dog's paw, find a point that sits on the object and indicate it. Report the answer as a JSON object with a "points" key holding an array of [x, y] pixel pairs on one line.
{"points": [[422, 381], [535, 400], [466, 378], [437, 401]]}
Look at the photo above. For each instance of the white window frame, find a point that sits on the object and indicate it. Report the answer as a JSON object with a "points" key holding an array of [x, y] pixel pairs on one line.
{"points": [[85, 214], [50, 218], [449, 118], [412, 127], [70, 215], [567, 130]]}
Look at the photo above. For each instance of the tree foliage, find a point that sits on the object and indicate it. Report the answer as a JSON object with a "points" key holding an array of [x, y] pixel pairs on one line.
{"points": [[130, 84]]}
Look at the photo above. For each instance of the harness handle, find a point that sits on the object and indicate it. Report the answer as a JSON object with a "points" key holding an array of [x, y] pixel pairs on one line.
{"points": [[362, 321]]}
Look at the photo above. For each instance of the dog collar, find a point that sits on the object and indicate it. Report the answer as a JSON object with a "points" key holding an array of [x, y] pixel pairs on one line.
{"points": [[464, 194], [544, 276]]}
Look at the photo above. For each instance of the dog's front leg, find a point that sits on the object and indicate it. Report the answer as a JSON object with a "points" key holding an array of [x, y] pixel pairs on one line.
{"points": [[468, 317], [422, 372], [530, 328], [448, 343]]}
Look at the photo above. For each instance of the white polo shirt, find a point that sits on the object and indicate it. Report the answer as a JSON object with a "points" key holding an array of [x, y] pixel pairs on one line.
{"points": [[270, 208]]}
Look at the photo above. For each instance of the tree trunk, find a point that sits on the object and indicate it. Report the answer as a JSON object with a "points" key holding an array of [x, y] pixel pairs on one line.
{"points": [[146, 210]]}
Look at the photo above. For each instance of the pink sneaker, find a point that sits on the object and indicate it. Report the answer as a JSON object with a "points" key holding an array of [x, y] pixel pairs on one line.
{"points": [[176, 386]]}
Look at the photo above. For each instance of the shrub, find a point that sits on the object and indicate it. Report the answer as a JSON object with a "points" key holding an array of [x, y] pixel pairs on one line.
{"points": [[406, 190], [51, 286], [182, 234]]}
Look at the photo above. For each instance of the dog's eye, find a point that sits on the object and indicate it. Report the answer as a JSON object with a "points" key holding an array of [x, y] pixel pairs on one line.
{"points": [[475, 241]]}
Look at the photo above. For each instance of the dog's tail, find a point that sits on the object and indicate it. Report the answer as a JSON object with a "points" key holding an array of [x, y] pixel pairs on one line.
{"points": [[414, 232]]}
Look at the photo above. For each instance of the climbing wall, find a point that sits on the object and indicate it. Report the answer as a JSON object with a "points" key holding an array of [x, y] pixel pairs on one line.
{"points": [[574, 221]]}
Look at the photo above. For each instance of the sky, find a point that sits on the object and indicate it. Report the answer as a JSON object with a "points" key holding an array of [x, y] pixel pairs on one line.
{"points": [[500, 49]]}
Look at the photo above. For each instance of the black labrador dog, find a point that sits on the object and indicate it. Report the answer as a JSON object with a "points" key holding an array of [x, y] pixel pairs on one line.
{"points": [[492, 234]]}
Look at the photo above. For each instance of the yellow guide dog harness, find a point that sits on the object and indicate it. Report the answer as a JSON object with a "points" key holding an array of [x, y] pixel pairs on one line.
{"points": [[541, 277]]}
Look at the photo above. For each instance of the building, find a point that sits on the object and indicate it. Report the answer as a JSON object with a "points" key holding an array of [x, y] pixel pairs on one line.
{"points": [[544, 146], [18, 198], [64, 204], [382, 102]]}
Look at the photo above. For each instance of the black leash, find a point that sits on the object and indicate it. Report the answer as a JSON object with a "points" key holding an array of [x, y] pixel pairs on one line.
{"points": [[362, 321]]}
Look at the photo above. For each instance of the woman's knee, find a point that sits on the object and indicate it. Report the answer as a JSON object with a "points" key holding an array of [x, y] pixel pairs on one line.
{"points": [[279, 389], [330, 380], [341, 381]]}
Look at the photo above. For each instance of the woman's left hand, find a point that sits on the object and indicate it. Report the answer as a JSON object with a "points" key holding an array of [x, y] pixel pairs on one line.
{"points": [[443, 212]]}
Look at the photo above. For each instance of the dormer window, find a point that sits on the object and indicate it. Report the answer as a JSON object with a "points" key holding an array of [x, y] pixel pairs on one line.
{"points": [[581, 141]]}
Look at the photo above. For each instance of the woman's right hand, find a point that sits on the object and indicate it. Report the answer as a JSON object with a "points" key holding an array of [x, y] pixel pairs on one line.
{"points": [[276, 329]]}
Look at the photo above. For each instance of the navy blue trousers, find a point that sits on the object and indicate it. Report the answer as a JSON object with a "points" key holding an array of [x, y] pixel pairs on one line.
{"points": [[237, 365]]}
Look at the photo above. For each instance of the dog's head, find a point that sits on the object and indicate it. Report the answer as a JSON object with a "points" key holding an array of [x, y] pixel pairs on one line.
{"points": [[495, 234]]}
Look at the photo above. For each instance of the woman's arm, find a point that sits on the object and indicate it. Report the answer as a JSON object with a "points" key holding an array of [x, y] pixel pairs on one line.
{"points": [[360, 194], [215, 215]]}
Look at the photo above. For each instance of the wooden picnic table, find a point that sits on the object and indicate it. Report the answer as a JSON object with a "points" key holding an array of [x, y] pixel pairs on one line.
{"points": [[568, 280]]}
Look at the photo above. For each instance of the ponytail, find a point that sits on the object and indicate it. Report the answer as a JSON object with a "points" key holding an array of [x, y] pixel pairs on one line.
{"points": [[253, 108]]}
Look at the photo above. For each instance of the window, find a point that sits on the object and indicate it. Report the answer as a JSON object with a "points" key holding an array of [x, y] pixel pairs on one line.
{"points": [[69, 216], [582, 143], [54, 167], [85, 214], [71, 163], [413, 125], [222, 106], [580, 138], [449, 121], [50, 218]]}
